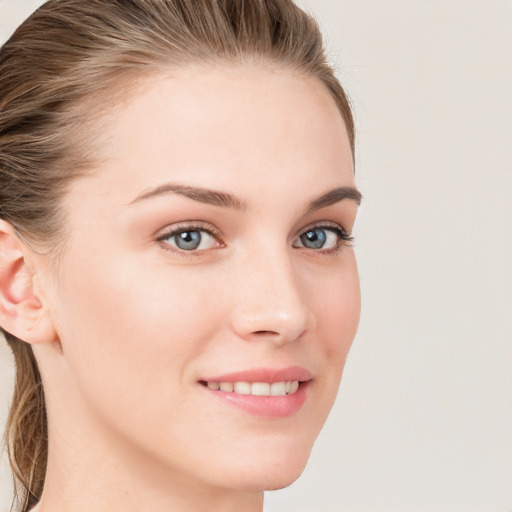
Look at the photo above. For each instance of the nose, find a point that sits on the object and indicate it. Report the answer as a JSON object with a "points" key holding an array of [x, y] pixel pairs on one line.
{"points": [[270, 301]]}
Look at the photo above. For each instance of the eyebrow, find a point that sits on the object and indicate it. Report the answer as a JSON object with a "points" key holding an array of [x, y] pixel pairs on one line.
{"points": [[203, 195], [335, 196], [226, 200]]}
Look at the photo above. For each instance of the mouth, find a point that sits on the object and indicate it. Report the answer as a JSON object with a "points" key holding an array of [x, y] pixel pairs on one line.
{"points": [[267, 393], [281, 388]]}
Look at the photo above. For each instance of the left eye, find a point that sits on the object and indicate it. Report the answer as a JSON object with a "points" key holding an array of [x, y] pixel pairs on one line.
{"points": [[319, 238], [190, 240]]}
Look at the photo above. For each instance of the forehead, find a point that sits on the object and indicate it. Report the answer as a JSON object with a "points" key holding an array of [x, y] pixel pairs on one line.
{"points": [[215, 128]]}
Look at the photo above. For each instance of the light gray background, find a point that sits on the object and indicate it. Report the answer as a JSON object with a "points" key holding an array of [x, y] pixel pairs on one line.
{"points": [[423, 421]]}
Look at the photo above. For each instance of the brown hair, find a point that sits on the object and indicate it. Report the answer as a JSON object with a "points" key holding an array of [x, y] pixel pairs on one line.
{"points": [[56, 72]]}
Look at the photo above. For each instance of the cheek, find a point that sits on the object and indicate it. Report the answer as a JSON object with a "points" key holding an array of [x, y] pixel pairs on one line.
{"points": [[126, 328], [337, 310]]}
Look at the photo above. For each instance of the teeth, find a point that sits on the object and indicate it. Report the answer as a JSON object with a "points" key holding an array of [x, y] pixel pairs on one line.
{"points": [[279, 388], [242, 388], [260, 389], [256, 388], [226, 386]]}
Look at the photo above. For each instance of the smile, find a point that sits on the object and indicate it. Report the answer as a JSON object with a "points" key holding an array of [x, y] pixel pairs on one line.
{"points": [[256, 388], [263, 392]]}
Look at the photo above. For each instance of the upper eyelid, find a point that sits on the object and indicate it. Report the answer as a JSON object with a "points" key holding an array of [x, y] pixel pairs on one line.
{"points": [[200, 225], [192, 225], [324, 224]]}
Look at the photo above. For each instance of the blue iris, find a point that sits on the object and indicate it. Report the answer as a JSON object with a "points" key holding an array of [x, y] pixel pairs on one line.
{"points": [[188, 240], [314, 238]]}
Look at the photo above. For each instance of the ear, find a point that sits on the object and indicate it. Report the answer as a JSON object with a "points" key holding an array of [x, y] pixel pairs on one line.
{"points": [[23, 312]]}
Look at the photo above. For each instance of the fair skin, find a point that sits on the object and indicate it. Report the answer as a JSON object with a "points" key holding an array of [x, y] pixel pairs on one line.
{"points": [[134, 321]]}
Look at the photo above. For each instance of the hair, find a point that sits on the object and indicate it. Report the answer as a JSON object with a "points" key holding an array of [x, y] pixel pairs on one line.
{"points": [[57, 74]]}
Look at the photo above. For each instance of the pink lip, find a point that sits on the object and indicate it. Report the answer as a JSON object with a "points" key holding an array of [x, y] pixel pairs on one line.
{"points": [[264, 375], [264, 406]]}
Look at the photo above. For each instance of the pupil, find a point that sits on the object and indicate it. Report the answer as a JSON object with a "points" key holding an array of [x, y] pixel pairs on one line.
{"points": [[188, 240]]}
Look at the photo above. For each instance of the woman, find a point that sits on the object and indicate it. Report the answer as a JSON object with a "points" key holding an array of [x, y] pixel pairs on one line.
{"points": [[177, 280]]}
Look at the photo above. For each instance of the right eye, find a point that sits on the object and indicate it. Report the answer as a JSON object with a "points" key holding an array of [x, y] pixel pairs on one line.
{"points": [[189, 239]]}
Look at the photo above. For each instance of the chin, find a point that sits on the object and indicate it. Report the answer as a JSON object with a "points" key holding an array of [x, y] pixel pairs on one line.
{"points": [[271, 475], [269, 482], [283, 482]]}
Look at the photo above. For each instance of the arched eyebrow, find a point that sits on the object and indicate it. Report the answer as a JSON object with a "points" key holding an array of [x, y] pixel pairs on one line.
{"points": [[226, 200], [203, 195], [335, 196]]}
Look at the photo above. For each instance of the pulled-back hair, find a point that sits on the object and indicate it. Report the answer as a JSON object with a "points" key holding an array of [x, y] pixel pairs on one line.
{"points": [[58, 71]]}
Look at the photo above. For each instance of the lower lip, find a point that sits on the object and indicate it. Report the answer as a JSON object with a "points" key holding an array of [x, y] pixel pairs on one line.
{"points": [[265, 406]]}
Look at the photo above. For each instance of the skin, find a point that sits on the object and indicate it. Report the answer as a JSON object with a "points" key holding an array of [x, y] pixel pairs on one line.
{"points": [[125, 326]]}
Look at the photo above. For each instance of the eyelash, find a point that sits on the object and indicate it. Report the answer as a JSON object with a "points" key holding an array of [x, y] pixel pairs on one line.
{"points": [[345, 238], [189, 226]]}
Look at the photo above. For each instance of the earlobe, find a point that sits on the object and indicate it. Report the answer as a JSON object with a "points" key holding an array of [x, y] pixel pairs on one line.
{"points": [[22, 311]]}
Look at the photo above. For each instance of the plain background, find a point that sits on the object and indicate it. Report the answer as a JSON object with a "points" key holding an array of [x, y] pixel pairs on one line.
{"points": [[423, 421]]}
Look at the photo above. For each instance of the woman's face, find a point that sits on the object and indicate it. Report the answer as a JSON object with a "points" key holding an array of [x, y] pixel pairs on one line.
{"points": [[210, 250]]}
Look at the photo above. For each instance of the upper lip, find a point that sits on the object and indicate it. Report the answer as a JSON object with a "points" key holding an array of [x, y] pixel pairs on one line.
{"points": [[290, 373]]}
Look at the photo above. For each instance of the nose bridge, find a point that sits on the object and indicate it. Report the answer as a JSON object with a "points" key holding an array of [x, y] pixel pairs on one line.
{"points": [[270, 301]]}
